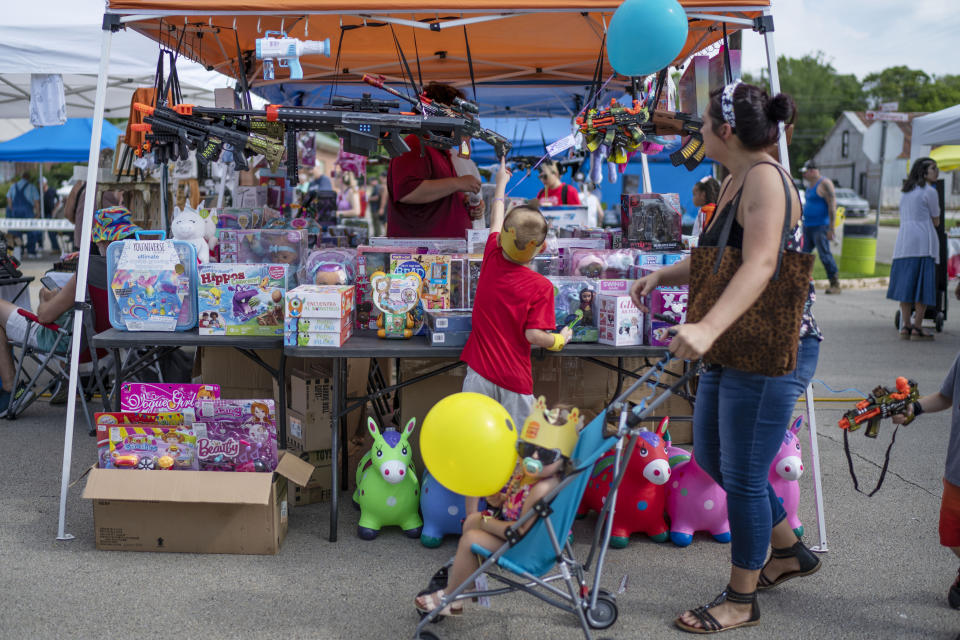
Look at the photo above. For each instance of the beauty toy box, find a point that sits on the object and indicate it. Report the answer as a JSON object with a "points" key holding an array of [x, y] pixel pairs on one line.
{"points": [[152, 448], [242, 299], [266, 246], [665, 301], [153, 285], [238, 435], [149, 397], [106, 420], [574, 300], [652, 221], [619, 321]]}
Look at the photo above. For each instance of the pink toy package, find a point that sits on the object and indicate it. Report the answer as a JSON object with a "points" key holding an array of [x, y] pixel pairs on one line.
{"points": [[665, 301], [142, 397], [240, 435], [604, 263]]}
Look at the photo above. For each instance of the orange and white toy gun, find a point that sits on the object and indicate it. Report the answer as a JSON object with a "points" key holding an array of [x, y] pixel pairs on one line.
{"points": [[880, 404]]}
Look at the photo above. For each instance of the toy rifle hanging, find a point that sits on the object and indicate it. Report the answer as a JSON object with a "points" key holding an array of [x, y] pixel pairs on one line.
{"points": [[460, 109], [881, 403], [623, 130]]}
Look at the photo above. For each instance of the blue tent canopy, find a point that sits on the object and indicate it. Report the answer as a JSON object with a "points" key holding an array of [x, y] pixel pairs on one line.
{"points": [[69, 142]]}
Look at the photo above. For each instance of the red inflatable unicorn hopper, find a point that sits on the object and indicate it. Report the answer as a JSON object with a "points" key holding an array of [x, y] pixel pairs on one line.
{"points": [[641, 499]]}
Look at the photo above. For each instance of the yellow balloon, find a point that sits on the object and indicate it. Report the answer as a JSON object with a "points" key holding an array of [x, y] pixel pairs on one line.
{"points": [[468, 442]]}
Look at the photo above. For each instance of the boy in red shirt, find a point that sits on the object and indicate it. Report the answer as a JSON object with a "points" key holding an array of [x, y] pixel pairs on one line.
{"points": [[555, 192], [513, 309]]}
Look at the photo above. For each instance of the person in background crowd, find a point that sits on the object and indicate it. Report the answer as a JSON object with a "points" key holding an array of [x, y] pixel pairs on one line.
{"points": [[587, 194], [555, 192], [819, 218], [705, 195], [376, 204], [321, 181], [23, 201], [50, 203], [913, 277], [426, 197]]}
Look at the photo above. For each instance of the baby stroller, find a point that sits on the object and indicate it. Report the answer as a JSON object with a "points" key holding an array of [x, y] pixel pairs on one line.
{"points": [[524, 562]]}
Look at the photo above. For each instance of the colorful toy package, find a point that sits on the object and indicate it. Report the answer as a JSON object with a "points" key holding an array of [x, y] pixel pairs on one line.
{"points": [[153, 284], [273, 246], [619, 321], [605, 263], [105, 420], [434, 272], [320, 301], [152, 448], [149, 397], [329, 266], [652, 221], [667, 301], [242, 299], [369, 261], [240, 435], [574, 299]]}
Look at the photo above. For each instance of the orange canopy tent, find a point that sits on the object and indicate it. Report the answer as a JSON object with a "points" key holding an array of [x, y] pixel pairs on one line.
{"points": [[528, 40]]}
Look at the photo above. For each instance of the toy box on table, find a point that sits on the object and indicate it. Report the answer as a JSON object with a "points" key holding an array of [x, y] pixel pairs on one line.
{"points": [[434, 272], [447, 338], [242, 299], [153, 285], [652, 221], [193, 511], [666, 301], [574, 299], [273, 246], [619, 321], [601, 263], [147, 448], [447, 320], [238, 435], [319, 315]]}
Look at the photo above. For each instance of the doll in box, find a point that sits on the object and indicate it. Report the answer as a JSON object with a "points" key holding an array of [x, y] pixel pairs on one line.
{"points": [[330, 266], [574, 300]]}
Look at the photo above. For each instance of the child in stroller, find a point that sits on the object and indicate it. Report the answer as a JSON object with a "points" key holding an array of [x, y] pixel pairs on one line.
{"points": [[545, 446]]}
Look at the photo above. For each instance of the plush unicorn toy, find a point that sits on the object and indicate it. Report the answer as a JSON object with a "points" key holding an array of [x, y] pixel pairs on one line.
{"points": [[388, 492], [642, 496], [189, 226]]}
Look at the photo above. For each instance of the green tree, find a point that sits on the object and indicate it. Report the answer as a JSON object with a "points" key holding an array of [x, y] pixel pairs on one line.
{"points": [[821, 95], [912, 89]]}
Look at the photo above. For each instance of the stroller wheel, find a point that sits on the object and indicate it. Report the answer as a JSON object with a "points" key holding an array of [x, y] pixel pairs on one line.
{"points": [[604, 614]]}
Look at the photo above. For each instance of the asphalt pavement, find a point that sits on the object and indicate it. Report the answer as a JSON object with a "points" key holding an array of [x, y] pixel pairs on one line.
{"points": [[884, 574]]}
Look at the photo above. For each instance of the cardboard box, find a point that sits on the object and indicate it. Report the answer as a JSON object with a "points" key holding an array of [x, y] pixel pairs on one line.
{"points": [[417, 399], [303, 496], [681, 432], [309, 393], [308, 431], [193, 511]]}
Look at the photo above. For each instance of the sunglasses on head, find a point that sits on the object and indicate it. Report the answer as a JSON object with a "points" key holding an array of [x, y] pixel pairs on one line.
{"points": [[546, 456]]}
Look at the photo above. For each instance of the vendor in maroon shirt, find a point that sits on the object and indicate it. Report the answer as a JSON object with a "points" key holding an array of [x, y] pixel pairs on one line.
{"points": [[555, 192], [426, 197]]}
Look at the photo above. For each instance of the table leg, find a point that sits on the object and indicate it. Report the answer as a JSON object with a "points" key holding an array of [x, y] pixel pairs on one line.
{"points": [[344, 458], [118, 375], [282, 400], [334, 444]]}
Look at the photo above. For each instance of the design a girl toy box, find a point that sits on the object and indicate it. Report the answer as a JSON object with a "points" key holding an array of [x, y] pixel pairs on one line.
{"points": [[194, 511]]}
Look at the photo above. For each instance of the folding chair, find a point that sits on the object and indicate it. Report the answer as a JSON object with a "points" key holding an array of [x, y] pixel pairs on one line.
{"points": [[55, 362]]}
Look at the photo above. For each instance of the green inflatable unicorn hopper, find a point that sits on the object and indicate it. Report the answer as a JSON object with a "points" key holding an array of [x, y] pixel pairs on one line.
{"points": [[388, 492]]}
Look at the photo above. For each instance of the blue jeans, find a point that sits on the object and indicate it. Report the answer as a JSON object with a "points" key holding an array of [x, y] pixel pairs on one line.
{"points": [[739, 420], [32, 236], [816, 238]]}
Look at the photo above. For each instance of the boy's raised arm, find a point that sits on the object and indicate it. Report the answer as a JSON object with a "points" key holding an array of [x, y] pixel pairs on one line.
{"points": [[499, 199]]}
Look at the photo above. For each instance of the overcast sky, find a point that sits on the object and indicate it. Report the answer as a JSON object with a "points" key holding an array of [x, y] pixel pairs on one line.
{"points": [[863, 36]]}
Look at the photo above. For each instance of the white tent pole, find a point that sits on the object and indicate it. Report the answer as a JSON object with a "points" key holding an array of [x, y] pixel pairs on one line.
{"points": [[774, 90], [645, 169], [91, 191]]}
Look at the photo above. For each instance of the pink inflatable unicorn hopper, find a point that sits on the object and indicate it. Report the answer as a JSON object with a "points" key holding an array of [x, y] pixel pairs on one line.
{"points": [[785, 475], [694, 501], [643, 492]]}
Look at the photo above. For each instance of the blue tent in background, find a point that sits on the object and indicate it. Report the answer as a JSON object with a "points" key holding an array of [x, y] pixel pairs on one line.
{"points": [[69, 142]]}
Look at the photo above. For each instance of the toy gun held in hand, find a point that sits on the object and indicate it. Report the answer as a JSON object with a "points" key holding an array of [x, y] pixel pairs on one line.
{"points": [[882, 403], [461, 108]]}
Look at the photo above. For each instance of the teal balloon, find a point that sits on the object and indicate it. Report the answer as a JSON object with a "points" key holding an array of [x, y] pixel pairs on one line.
{"points": [[645, 36]]}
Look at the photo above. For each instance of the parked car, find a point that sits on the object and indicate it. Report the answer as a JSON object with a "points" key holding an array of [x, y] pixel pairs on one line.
{"points": [[853, 205]]}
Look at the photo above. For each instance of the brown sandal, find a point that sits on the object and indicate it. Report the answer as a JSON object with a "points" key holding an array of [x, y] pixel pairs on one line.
{"points": [[905, 332]]}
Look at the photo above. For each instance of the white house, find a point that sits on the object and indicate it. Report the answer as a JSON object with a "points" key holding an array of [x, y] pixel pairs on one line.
{"points": [[851, 153]]}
